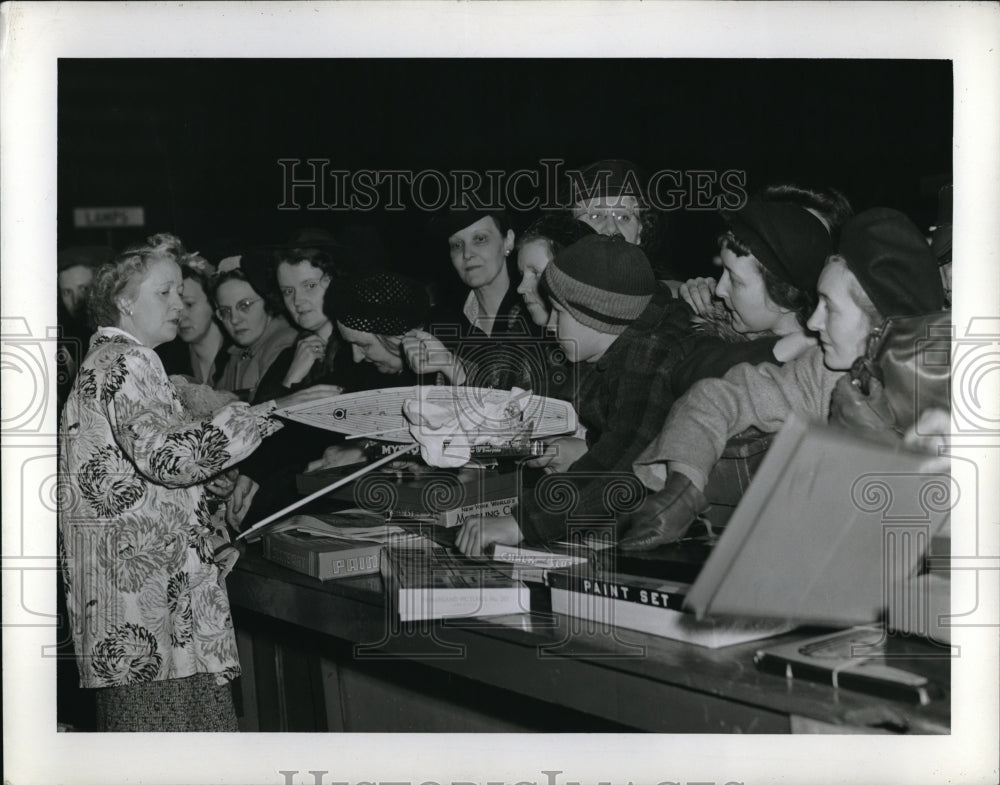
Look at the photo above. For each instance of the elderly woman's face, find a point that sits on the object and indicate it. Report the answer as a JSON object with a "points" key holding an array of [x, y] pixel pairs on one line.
{"points": [[242, 311], [479, 251], [302, 288], [611, 215], [153, 313], [196, 318]]}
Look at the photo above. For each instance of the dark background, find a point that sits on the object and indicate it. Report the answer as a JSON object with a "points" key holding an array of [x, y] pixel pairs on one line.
{"points": [[196, 142]]}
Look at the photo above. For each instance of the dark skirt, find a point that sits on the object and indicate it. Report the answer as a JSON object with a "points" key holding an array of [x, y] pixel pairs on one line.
{"points": [[195, 703]]}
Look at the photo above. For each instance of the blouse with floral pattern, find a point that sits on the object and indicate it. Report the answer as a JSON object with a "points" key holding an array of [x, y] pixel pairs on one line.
{"points": [[136, 531]]}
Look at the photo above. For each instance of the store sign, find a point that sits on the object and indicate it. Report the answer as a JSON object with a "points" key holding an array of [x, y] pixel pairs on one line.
{"points": [[108, 217]]}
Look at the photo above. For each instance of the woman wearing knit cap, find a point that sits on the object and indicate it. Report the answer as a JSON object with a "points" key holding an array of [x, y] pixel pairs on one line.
{"points": [[624, 332], [882, 268], [772, 255]]}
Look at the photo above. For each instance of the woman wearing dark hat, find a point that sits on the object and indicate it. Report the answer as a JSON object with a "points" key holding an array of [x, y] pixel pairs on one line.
{"points": [[379, 318], [772, 254], [829, 205], [251, 313], [882, 268], [480, 340], [610, 198]]}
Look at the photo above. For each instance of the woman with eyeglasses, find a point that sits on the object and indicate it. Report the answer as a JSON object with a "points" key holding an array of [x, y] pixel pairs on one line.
{"points": [[251, 314], [303, 277]]}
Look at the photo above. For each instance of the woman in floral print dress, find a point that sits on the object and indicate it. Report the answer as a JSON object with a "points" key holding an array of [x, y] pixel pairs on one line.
{"points": [[142, 541]]}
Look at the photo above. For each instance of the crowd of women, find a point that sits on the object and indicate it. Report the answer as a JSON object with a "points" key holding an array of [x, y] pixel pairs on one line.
{"points": [[169, 440]]}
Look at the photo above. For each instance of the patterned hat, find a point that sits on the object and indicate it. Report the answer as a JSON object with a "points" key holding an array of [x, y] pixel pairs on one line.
{"points": [[383, 304], [604, 282]]}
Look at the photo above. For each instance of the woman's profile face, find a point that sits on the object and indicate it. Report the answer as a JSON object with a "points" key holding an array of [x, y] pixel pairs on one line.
{"points": [[842, 325], [479, 252], [196, 318], [241, 311], [532, 260], [742, 289], [302, 288]]}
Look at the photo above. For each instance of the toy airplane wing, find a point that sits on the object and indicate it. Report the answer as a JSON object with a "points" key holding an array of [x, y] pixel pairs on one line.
{"points": [[378, 414]]}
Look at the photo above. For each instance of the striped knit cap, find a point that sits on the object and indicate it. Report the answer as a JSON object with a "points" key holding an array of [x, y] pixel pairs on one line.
{"points": [[604, 282]]}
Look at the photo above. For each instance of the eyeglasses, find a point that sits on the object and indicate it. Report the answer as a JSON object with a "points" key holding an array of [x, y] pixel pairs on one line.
{"points": [[225, 313], [598, 214]]}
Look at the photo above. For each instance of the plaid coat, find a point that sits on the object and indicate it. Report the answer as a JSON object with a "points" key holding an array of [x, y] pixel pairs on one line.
{"points": [[622, 400]]}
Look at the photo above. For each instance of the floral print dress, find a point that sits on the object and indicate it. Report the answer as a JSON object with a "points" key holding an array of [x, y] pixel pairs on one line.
{"points": [[136, 530]]}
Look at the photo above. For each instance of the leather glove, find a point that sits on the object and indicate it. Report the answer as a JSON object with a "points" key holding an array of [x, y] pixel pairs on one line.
{"points": [[665, 516], [865, 415]]}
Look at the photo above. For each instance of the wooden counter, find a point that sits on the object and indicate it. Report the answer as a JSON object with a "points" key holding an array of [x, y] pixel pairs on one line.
{"points": [[328, 656]]}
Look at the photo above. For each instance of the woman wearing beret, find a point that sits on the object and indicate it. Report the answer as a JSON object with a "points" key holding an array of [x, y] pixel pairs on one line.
{"points": [[771, 254], [143, 555], [882, 268]]}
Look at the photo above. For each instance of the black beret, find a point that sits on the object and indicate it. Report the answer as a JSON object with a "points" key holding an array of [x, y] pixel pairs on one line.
{"points": [[893, 263], [792, 243]]}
